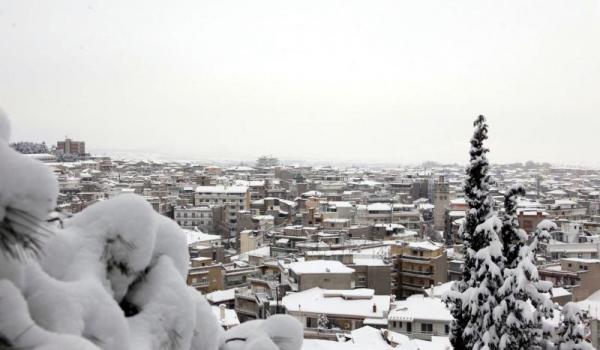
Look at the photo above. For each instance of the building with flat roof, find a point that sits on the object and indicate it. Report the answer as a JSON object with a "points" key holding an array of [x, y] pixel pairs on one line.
{"points": [[70, 147]]}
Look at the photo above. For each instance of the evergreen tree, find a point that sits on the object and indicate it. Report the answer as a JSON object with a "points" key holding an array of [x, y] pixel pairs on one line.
{"points": [[513, 238], [323, 322], [483, 330], [571, 334], [524, 299], [481, 273]]}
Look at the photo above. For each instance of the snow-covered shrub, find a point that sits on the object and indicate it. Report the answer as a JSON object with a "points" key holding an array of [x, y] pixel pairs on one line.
{"points": [[113, 278]]}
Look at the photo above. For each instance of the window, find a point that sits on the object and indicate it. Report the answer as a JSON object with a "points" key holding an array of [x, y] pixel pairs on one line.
{"points": [[426, 328], [447, 329], [400, 325], [408, 327], [393, 324]]}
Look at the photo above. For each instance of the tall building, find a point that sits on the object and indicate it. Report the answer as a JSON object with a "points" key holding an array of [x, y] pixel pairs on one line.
{"points": [[230, 199], [417, 265], [441, 202], [71, 147]]}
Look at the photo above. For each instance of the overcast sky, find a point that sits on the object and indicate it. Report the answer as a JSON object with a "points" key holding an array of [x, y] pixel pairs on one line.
{"points": [[397, 81]]}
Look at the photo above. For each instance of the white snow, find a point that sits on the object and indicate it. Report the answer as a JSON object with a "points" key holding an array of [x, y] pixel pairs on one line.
{"points": [[220, 296], [113, 278], [319, 266], [323, 301], [419, 307]]}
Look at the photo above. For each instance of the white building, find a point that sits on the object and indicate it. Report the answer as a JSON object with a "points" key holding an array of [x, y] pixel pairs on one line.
{"points": [[190, 217], [344, 310], [231, 198], [420, 317]]}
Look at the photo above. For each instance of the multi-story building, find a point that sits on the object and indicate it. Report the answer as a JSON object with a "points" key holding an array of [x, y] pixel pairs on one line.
{"points": [[386, 213], [417, 265], [369, 271], [258, 300], [205, 275], [441, 201], [230, 198], [579, 276], [320, 273], [190, 217], [70, 147]]}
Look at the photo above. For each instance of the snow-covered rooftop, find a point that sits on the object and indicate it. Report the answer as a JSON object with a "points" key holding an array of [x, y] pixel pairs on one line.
{"points": [[419, 307], [194, 237], [221, 189], [220, 296], [332, 302], [319, 266]]}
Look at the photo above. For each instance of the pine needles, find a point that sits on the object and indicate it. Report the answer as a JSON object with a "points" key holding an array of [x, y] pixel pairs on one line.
{"points": [[21, 234]]}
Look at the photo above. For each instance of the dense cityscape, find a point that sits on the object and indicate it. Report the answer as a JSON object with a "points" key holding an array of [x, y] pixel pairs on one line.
{"points": [[360, 256], [299, 175]]}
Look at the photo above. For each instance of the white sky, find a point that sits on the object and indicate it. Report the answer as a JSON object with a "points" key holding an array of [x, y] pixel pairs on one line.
{"points": [[343, 80]]}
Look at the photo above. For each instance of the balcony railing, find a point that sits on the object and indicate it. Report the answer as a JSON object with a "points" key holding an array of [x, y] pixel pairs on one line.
{"points": [[417, 273]]}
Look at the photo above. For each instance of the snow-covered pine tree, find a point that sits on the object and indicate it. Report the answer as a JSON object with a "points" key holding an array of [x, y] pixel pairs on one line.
{"points": [[477, 269], [523, 297], [323, 322], [571, 334], [483, 329], [513, 238], [542, 234]]}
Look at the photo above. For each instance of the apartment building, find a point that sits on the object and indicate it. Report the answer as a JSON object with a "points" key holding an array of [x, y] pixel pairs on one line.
{"points": [[230, 199], [258, 300], [386, 213], [369, 271], [190, 217], [320, 273], [579, 276], [417, 265], [205, 275], [70, 147]]}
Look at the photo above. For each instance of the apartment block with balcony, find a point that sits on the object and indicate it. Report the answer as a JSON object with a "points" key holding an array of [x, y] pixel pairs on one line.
{"points": [[416, 266], [578, 276], [230, 198], [205, 276], [190, 217], [259, 299]]}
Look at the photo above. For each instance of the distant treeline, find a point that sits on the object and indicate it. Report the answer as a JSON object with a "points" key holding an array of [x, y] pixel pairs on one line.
{"points": [[26, 147]]}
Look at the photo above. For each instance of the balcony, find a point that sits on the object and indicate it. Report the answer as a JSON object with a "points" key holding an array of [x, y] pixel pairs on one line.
{"points": [[414, 273], [416, 260]]}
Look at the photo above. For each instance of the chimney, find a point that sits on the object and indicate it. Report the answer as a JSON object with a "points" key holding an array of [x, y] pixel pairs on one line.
{"points": [[222, 312]]}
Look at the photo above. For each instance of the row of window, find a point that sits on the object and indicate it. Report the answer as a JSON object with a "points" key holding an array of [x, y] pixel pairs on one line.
{"points": [[425, 327], [192, 223], [193, 215]]}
